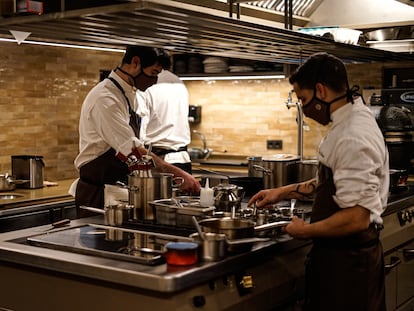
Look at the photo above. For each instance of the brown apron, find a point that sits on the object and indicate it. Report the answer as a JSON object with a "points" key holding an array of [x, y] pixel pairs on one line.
{"points": [[106, 169], [343, 274]]}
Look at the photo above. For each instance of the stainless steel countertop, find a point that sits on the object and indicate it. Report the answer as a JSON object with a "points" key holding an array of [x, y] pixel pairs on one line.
{"points": [[34, 199], [161, 278]]}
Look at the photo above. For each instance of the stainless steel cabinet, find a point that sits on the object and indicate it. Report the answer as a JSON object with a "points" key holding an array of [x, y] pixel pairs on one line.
{"points": [[36, 215], [399, 266]]}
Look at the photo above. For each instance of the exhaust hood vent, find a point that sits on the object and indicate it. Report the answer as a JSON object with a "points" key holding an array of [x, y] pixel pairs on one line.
{"points": [[185, 28], [303, 8]]}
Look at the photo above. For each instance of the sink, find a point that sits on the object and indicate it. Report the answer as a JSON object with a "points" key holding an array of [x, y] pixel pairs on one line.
{"points": [[10, 196]]}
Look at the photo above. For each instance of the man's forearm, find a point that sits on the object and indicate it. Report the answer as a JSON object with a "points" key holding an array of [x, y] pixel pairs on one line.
{"points": [[304, 190]]}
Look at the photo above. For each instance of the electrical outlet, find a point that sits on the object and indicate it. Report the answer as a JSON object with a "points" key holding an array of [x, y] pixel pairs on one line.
{"points": [[274, 144]]}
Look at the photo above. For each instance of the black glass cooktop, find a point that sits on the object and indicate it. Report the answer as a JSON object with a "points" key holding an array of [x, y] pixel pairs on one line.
{"points": [[116, 243]]}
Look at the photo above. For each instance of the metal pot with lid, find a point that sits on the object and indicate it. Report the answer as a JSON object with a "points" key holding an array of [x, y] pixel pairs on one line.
{"points": [[252, 161], [306, 169], [144, 189], [228, 198], [279, 170]]}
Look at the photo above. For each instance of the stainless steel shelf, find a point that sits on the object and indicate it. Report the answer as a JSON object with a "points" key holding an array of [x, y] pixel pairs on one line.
{"points": [[185, 28]]}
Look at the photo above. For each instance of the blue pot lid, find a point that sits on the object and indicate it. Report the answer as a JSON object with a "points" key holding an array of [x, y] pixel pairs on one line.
{"points": [[181, 245]]}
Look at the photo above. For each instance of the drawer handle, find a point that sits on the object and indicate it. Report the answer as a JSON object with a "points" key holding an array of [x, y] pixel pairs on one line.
{"points": [[394, 261], [408, 253]]}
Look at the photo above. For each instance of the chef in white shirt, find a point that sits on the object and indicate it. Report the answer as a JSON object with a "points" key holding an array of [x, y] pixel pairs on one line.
{"points": [[109, 132], [345, 267], [164, 111]]}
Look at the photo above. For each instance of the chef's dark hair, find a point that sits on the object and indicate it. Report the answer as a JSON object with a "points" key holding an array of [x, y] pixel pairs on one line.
{"points": [[323, 68], [164, 59], [147, 55]]}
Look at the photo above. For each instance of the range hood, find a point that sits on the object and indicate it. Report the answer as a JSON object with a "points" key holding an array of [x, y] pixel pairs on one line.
{"points": [[187, 28]]}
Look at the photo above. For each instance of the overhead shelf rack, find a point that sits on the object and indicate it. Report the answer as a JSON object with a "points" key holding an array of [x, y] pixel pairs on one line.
{"points": [[185, 28]]}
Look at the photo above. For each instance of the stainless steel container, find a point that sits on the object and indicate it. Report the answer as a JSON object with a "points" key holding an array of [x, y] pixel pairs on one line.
{"points": [[306, 169], [228, 198], [252, 161], [279, 170], [168, 183], [142, 190], [167, 212], [213, 247], [28, 171]]}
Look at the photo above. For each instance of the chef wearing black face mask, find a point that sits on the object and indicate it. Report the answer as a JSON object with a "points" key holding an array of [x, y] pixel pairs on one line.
{"points": [[109, 131], [345, 268]]}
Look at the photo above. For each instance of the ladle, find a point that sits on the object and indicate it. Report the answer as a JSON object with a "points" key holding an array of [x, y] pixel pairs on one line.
{"points": [[292, 206], [196, 224]]}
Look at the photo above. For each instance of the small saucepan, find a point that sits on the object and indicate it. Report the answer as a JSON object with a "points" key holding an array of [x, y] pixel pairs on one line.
{"points": [[115, 215]]}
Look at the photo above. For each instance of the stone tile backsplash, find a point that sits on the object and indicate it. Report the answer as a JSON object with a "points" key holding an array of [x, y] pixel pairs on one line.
{"points": [[42, 90]]}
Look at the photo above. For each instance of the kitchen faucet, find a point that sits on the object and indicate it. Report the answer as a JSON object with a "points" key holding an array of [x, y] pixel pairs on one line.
{"points": [[299, 120], [206, 151]]}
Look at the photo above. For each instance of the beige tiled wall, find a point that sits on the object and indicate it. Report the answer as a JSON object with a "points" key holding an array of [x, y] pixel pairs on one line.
{"points": [[41, 92], [42, 89], [239, 116]]}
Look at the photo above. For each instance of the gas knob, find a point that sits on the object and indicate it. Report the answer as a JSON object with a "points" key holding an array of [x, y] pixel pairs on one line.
{"points": [[199, 301], [247, 281]]}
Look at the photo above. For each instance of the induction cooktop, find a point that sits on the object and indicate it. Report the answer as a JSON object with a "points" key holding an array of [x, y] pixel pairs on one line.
{"points": [[108, 242]]}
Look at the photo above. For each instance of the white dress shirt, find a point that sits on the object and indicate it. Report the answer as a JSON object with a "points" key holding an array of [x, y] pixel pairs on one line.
{"points": [[104, 121], [164, 111], [355, 150]]}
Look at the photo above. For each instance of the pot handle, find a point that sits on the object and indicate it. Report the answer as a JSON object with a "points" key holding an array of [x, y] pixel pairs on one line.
{"points": [[177, 181], [272, 225], [92, 209], [262, 169]]}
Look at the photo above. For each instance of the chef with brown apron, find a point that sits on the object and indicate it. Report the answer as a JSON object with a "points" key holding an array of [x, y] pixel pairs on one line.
{"points": [[109, 131], [345, 267]]}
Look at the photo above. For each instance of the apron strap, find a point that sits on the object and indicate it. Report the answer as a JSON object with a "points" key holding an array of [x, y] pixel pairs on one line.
{"points": [[134, 120]]}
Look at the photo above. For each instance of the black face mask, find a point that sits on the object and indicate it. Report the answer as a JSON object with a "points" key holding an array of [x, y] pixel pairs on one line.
{"points": [[318, 109], [129, 75], [144, 81]]}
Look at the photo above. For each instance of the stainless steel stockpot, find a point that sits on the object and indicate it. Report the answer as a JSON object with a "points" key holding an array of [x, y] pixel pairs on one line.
{"points": [[142, 190], [279, 170], [306, 169]]}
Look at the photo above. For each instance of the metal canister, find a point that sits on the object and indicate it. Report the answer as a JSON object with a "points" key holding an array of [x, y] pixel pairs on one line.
{"points": [[279, 170], [168, 184], [227, 199], [142, 190], [212, 247]]}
